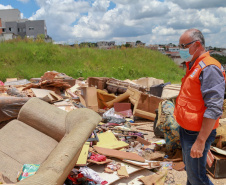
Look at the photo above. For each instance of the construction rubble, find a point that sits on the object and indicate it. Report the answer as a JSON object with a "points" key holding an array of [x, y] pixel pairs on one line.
{"points": [[135, 141]]}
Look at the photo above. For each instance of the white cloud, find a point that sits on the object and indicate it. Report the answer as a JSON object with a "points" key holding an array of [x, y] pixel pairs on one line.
{"points": [[24, 1], [5, 7], [199, 4], [59, 16], [160, 30]]}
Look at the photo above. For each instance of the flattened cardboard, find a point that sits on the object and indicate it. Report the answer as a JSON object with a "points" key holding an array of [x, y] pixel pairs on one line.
{"points": [[108, 140], [46, 94], [11, 79], [157, 178], [112, 178], [90, 96], [122, 172], [82, 159], [119, 154]]}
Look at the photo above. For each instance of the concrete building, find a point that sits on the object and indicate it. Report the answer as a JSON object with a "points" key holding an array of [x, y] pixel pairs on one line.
{"points": [[173, 49], [11, 23], [106, 45]]}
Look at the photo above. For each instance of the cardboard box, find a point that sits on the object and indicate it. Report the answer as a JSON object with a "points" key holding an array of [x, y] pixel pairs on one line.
{"points": [[218, 170], [123, 108], [89, 94], [147, 82], [170, 91], [119, 107], [146, 106], [98, 82]]}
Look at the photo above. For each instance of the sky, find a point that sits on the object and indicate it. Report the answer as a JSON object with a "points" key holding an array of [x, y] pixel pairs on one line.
{"points": [[150, 21]]}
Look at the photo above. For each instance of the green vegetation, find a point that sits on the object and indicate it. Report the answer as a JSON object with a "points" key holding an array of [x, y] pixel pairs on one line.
{"points": [[220, 58], [28, 59]]}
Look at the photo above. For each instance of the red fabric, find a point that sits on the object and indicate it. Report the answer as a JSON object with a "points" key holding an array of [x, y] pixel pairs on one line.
{"points": [[98, 157], [79, 176], [104, 182], [190, 106]]}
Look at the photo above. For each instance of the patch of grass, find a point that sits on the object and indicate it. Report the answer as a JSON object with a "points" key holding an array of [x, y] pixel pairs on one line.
{"points": [[23, 59]]}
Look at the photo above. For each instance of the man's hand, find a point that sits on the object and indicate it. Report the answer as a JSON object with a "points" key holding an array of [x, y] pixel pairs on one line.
{"points": [[199, 145], [197, 149]]}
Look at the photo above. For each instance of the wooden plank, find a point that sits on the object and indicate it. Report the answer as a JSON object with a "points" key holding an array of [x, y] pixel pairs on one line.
{"points": [[119, 154]]}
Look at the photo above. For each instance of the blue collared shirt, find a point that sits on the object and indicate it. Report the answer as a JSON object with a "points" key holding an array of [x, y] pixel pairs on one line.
{"points": [[213, 89]]}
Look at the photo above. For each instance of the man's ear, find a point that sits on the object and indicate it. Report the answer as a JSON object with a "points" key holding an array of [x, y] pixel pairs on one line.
{"points": [[198, 43]]}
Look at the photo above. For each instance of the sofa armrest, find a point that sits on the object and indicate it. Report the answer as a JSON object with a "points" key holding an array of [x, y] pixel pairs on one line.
{"points": [[80, 124]]}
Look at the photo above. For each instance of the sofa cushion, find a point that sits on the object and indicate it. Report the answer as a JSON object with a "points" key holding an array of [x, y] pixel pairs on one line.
{"points": [[9, 167], [44, 117], [25, 144]]}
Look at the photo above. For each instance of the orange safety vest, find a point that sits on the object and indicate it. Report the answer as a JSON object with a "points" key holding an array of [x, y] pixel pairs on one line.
{"points": [[190, 106]]}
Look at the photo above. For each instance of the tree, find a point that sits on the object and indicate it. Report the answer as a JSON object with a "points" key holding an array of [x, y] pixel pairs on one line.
{"points": [[220, 58], [138, 42]]}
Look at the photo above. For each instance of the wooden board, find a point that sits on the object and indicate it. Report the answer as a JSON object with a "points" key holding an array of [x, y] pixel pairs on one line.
{"points": [[119, 154]]}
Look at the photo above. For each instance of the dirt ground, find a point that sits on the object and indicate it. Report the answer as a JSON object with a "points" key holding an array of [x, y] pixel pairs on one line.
{"points": [[174, 177]]}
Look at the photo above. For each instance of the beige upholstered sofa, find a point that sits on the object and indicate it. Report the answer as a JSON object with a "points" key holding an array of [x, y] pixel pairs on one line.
{"points": [[43, 134]]}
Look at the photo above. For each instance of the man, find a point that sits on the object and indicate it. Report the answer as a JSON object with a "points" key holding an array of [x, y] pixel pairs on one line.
{"points": [[198, 105]]}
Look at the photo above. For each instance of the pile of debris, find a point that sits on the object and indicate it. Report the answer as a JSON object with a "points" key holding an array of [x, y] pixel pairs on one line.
{"points": [[119, 146]]}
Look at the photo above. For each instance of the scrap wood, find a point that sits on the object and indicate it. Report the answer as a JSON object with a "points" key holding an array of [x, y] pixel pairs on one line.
{"points": [[218, 150], [145, 128], [45, 84], [119, 154], [147, 164], [143, 141], [128, 130], [140, 164], [139, 124], [3, 88], [179, 166]]}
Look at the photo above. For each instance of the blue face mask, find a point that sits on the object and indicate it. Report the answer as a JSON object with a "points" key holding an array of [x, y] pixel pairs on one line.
{"points": [[184, 54]]}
